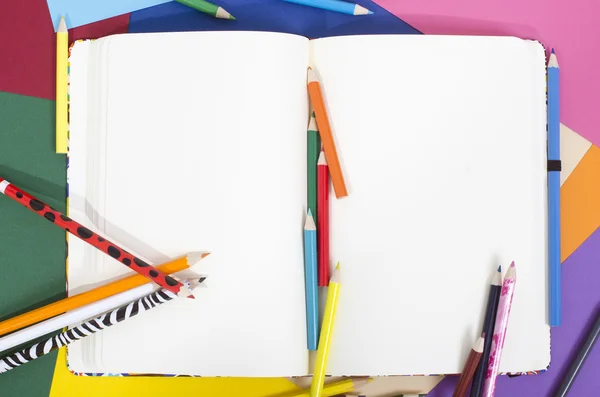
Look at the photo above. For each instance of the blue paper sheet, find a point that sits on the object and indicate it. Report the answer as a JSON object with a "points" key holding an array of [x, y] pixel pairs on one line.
{"points": [[269, 15], [82, 12]]}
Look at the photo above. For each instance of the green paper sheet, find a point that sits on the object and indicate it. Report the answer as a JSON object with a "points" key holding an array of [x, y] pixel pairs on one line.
{"points": [[32, 259]]}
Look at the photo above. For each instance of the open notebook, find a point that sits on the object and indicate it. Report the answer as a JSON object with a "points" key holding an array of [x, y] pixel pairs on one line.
{"points": [[197, 141]]}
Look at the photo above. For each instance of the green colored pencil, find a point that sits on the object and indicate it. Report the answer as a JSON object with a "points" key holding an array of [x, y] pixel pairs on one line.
{"points": [[207, 8], [312, 156]]}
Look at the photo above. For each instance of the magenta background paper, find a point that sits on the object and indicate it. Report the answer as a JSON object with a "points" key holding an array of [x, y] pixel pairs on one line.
{"points": [[581, 302], [570, 26]]}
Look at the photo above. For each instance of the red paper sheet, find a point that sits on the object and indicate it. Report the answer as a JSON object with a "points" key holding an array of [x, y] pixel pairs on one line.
{"points": [[28, 46]]}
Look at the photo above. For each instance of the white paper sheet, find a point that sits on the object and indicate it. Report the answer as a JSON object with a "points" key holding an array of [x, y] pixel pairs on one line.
{"points": [[202, 149], [442, 141]]}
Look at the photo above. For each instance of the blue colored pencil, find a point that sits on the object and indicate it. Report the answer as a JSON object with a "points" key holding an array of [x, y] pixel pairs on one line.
{"points": [[554, 190], [310, 281], [334, 5]]}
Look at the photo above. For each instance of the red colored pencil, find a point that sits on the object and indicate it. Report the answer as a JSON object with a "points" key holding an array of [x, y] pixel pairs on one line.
{"points": [[323, 220], [469, 369], [94, 239]]}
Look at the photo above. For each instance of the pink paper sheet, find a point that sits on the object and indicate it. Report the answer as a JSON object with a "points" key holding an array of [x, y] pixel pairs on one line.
{"points": [[572, 27]]}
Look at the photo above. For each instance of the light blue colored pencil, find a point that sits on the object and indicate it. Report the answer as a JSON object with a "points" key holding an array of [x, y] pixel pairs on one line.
{"points": [[554, 190], [334, 5], [310, 281]]}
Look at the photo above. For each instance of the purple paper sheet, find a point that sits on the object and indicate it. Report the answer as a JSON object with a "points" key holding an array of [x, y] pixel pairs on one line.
{"points": [[581, 301]]}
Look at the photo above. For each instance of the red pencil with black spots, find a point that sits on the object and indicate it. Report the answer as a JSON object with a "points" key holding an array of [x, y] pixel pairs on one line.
{"points": [[108, 247]]}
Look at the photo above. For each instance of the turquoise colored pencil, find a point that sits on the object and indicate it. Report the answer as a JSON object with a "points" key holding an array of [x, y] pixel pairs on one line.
{"points": [[313, 149], [554, 275], [207, 8], [334, 5], [310, 281]]}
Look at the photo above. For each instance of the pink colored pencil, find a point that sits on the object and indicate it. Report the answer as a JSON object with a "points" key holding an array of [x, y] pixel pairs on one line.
{"points": [[506, 297]]}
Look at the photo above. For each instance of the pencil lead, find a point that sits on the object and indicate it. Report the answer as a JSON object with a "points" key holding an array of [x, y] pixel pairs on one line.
{"points": [[499, 268], [553, 50]]}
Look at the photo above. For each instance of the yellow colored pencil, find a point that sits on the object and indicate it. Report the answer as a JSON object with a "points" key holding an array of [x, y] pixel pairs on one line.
{"points": [[94, 295], [62, 81], [333, 294], [335, 388]]}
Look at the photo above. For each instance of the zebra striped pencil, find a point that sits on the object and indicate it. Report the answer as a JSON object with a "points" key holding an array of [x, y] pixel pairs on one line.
{"points": [[90, 327]]}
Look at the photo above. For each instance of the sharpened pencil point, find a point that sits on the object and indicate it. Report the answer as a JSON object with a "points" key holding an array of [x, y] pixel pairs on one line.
{"points": [[310, 222], [497, 277], [62, 26], [479, 344], [552, 61], [322, 160], [223, 14], [195, 257], [311, 76], [360, 10], [553, 50]]}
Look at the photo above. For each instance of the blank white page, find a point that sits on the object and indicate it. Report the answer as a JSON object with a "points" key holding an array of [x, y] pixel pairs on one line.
{"points": [[200, 147], [442, 141]]}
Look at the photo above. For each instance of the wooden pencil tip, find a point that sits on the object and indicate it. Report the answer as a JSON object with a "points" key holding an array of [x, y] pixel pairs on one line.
{"points": [[223, 14], [360, 10], [311, 76], [511, 273], [62, 26], [195, 257], [552, 61], [322, 160], [310, 221], [335, 277], [479, 344]]}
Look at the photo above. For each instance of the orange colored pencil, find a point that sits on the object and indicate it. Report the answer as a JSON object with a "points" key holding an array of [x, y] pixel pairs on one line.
{"points": [[73, 302], [335, 169]]}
